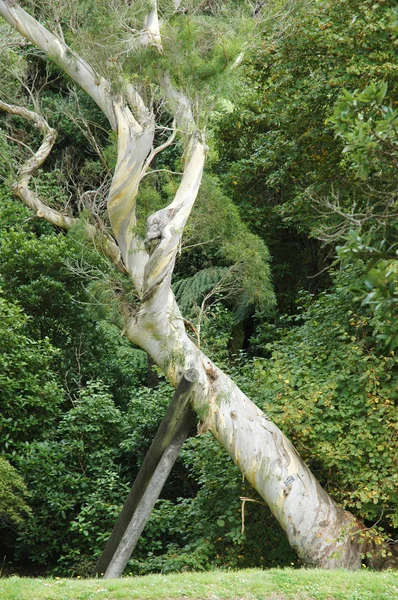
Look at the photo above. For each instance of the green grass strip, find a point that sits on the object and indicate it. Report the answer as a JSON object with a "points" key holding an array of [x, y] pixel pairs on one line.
{"points": [[274, 584]]}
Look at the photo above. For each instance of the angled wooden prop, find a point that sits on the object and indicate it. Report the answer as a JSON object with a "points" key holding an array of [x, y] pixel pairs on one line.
{"points": [[159, 460]]}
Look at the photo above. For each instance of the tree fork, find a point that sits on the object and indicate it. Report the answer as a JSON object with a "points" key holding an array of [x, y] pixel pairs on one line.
{"points": [[159, 460]]}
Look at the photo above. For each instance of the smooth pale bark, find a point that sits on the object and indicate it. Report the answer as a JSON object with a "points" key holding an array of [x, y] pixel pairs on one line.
{"points": [[132, 150], [322, 534], [150, 35]]}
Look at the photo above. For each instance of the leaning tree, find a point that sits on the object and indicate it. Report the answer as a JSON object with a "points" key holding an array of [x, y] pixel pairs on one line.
{"points": [[129, 70]]}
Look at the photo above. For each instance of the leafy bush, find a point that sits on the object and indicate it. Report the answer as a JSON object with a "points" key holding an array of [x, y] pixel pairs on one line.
{"points": [[333, 391], [30, 391], [13, 508], [75, 483]]}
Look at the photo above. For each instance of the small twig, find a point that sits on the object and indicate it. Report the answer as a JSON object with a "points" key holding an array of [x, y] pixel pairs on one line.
{"points": [[161, 171], [244, 500], [374, 524], [320, 272], [156, 151], [12, 139], [218, 288], [200, 243]]}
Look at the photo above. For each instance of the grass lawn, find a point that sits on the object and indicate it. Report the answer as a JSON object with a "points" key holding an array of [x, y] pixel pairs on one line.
{"points": [[274, 584]]}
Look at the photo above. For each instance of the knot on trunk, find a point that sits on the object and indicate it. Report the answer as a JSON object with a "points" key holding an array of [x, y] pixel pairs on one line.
{"points": [[155, 226]]}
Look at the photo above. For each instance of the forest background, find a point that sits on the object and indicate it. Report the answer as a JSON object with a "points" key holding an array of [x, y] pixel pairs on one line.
{"points": [[288, 270]]}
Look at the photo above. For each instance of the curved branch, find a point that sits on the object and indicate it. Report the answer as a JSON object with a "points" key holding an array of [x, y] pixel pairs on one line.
{"points": [[165, 227], [55, 48], [30, 198], [74, 65], [21, 185], [156, 151]]}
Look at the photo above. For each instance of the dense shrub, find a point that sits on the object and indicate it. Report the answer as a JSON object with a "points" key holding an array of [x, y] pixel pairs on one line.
{"points": [[333, 390]]}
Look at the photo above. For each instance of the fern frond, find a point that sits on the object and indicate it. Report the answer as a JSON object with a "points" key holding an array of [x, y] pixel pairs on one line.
{"points": [[191, 291], [241, 306]]}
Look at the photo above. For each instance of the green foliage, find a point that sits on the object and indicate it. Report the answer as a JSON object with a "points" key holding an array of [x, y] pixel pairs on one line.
{"points": [[200, 50], [75, 483], [145, 410], [376, 282], [16, 216], [191, 291], [278, 155], [368, 127], [49, 274], [218, 244], [13, 64], [13, 508], [381, 282], [217, 334], [393, 14], [367, 123], [149, 200], [334, 394], [33, 270], [201, 41], [110, 294], [30, 390]]}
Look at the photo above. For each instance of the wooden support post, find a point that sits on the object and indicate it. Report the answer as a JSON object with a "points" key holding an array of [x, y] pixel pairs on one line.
{"points": [[144, 508], [149, 482]]}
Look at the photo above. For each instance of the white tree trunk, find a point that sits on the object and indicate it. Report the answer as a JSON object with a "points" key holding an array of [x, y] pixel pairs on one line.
{"points": [[322, 534]]}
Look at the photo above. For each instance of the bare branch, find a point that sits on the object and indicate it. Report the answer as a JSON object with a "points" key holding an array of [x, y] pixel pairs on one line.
{"points": [[157, 150], [21, 185], [30, 198], [184, 247], [84, 126], [380, 208], [222, 286], [20, 142], [162, 171]]}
